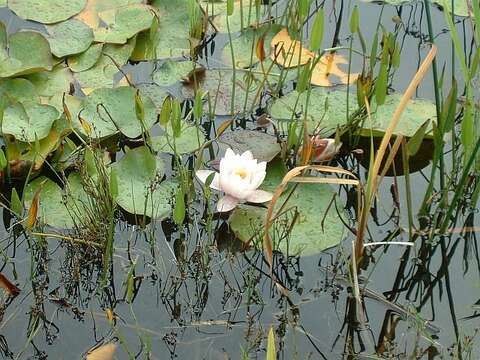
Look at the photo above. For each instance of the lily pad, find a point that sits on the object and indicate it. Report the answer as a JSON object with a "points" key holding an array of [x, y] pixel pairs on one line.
{"points": [[460, 6], [171, 38], [326, 109], [317, 227], [25, 52], [51, 85], [172, 71], [85, 60], [18, 89], [156, 93], [28, 121], [60, 208], [191, 139], [123, 23], [103, 72], [219, 85], [413, 117], [244, 46], [140, 191], [69, 37], [46, 11], [247, 9], [109, 111], [264, 147]]}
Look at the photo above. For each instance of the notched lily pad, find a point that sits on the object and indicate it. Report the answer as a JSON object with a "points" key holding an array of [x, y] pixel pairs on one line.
{"points": [[123, 23], [60, 208], [28, 121], [264, 147], [316, 226], [109, 111], [326, 109]]}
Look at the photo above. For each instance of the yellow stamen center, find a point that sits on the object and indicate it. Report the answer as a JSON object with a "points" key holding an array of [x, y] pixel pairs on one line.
{"points": [[241, 172]]}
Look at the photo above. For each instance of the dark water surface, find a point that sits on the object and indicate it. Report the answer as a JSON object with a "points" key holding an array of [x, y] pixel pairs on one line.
{"points": [[204, 303]]}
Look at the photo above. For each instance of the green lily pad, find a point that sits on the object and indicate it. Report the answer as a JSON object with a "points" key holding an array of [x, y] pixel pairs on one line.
{"points": [[413, 117], [314, 230], [171, 38], [172, 71], [140, 191], [264, 147], [156, 93], [244, 46], [326, 109], [60, 208], [109, 111], [123, 23], [51, 85], [85, 60], [103, 72], [25, 52], [191, 139], [69, 37], [18, 89], [28, 121], [248, 11], [218, 84], [46, 11]]}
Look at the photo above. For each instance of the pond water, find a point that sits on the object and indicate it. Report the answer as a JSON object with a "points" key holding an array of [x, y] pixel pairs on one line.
{"points": [[187, 292]]}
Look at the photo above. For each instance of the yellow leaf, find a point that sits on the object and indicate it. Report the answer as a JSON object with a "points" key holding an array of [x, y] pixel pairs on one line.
{"points": [[33, 211], [104, 352], [327, 67], [287, 52]]}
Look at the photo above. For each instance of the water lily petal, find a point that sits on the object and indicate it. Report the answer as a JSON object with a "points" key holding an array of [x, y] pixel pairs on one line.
{"points": [[247, 155], [203, 175], [260, 196], [259, 175], [226, 203]]}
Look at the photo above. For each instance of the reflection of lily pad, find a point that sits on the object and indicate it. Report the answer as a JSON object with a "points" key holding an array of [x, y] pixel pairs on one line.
{"points": [[24, 52], [140, 191], [111, 110], [60, 208], [123, 23], [46, 11], [264, 147], [460, 6], [314, 230], [191, 138], [326, 109], [28, 121], [69, 37]]}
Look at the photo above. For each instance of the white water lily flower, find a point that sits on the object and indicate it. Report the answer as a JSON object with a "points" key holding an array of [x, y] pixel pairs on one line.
{"points": [[239, 178]]}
